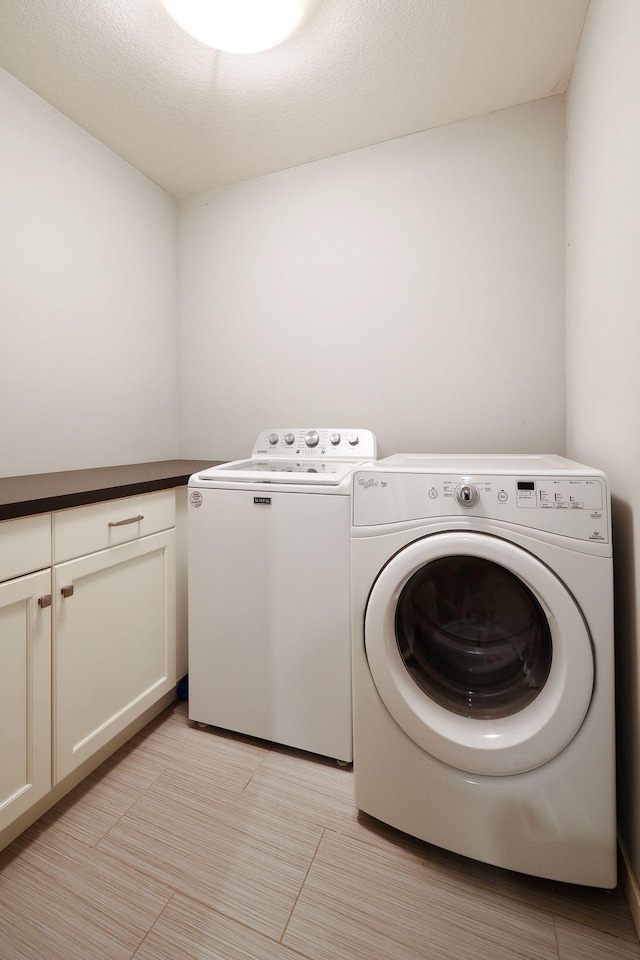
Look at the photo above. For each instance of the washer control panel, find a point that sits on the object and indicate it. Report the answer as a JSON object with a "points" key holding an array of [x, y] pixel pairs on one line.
{"points": [[573, 506], [335, 442]]}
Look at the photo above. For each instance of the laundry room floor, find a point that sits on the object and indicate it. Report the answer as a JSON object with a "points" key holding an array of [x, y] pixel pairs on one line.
{"points": [[193, 843]]}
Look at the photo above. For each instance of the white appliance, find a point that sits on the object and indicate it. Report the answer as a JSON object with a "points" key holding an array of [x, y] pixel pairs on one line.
{"points": [[482, 605], [269, 600]]}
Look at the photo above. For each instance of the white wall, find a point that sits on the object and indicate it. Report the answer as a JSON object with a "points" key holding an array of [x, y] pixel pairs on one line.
{"points": [[88, 310], [603, 326], [415, 287]]}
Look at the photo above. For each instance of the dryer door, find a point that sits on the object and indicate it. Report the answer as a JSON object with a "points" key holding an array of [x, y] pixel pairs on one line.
{"points": [[479, 652]]}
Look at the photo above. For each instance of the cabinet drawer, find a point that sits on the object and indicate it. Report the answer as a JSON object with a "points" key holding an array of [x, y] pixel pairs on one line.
{"points": [[82, 530], [25, 545]]}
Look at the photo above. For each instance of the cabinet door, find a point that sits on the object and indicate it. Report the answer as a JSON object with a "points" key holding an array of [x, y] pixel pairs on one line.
{"points": [[25, 704], [114, 643]]}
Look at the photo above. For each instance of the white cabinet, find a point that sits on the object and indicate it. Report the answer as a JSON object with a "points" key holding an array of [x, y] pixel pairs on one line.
{"points": [[87, 642], [114, 627], [25, 665]]}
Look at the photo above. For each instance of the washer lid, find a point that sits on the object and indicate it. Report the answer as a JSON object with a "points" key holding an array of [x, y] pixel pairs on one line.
{"points": [[323, 472], [493, 627]]}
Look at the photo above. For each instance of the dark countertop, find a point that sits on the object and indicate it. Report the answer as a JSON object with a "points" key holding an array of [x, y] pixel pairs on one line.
{"points": [[42, 492]]}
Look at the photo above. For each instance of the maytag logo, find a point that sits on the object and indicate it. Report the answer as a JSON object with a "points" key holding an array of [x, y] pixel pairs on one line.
{"points": [[266, 500], [366, 483]]}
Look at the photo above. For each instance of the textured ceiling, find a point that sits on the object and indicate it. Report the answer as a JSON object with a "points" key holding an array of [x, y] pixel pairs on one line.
{"points": [[356, 72]]}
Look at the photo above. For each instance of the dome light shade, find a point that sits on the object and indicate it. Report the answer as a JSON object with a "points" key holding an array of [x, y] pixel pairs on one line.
{"points": [[238, 26]]}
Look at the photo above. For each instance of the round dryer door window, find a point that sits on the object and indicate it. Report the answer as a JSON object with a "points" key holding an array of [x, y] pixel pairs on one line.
{"points": [[479, 652], [473, 636]]}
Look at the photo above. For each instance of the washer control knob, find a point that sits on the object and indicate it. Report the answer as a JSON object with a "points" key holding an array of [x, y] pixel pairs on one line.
{"points": [[288, 439], [273, 439], [335, 439], [312, 438], [467, 494], [354, 439]]}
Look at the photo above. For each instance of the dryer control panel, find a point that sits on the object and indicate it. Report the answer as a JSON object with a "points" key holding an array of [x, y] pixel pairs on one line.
{"points": [[576, 507], [559, 494]]}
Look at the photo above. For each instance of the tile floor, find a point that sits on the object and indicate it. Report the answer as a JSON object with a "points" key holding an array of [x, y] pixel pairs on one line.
{"points": [[192, 843]]}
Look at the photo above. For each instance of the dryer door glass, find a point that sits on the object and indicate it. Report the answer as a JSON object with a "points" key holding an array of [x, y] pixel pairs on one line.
{"points": [[473, 637]]}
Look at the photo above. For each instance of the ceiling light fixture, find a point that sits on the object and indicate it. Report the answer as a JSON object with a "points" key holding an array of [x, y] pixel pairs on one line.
{"points": [[238, 26]]}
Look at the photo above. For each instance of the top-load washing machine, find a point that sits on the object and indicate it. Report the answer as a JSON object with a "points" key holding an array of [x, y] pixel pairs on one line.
{"points": [[269, 601], [482, 633]]}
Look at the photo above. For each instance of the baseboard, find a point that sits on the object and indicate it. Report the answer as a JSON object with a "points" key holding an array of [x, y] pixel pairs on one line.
{"points": [[630, 884]]}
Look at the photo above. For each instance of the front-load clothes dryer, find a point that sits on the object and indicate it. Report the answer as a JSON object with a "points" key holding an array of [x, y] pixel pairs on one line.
{"points": [[482, 635]]}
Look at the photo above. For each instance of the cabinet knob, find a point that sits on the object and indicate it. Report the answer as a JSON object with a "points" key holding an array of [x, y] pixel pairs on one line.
{"points": [[67, 591], [44, 602]]}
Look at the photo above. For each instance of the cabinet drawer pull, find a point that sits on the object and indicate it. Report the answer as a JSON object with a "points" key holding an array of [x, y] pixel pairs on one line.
{"points": [[44, 602], [67, 591], [122, 523]]}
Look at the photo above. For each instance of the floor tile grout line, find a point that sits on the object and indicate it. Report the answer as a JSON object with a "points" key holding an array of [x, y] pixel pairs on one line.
{"points": [[592, 925], [130, 751], [268, 939], [586, 925], [166, 767], [94, 845], [556, 910], [253, 772], [555, 934], [295, 903], [129, 808], [206, 904], [109, 857], [169, 901]]}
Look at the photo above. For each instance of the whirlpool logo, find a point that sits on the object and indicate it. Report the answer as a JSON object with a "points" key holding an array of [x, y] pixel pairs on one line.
{"points": [[367, 482]]}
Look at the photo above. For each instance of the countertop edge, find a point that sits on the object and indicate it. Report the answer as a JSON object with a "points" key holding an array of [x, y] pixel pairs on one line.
{"points": [[41, 493]]}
